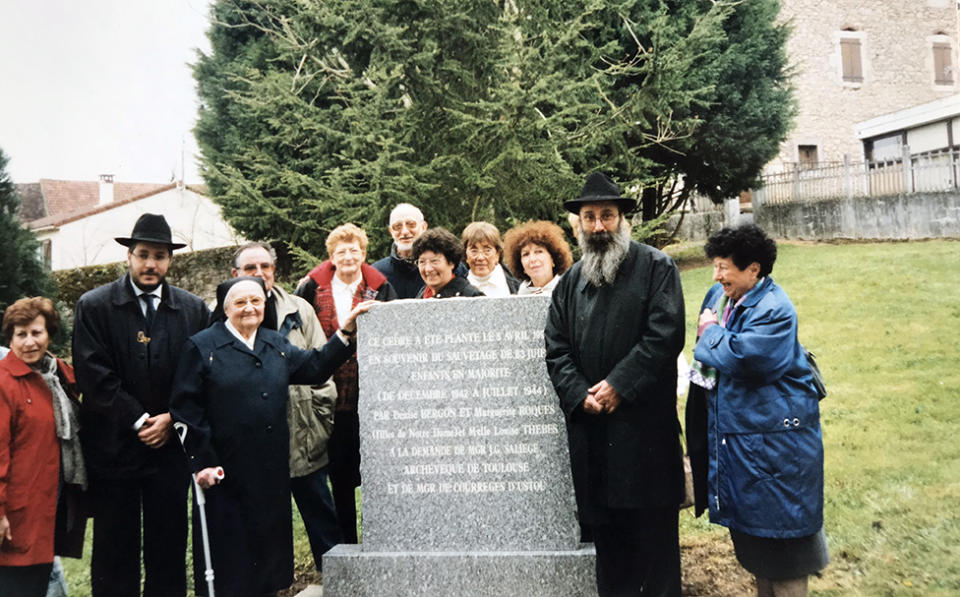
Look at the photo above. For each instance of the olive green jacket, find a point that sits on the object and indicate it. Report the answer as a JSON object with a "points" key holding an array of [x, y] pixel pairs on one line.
{"points": [[310, 409]]}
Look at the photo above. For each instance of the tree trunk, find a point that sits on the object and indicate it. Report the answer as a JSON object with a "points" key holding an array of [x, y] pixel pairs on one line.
{"points": [[648, 203]]}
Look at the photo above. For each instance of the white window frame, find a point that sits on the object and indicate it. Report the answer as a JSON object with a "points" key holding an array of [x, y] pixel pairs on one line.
{"points": [[865, 72], [932, 42]]}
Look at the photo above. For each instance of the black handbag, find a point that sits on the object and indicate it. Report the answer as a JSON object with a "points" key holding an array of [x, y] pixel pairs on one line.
{"points": [[815, 371]]}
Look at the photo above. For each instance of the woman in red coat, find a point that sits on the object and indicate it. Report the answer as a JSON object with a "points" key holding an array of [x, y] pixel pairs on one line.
{"points": [[41, 466]]}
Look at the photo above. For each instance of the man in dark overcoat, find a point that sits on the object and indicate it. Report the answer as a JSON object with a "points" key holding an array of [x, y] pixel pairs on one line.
{"points": [[127, 338], [406, 226], [614, 331]]}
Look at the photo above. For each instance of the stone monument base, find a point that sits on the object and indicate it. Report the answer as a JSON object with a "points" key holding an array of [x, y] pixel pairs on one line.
{"points": [[348, 571]]}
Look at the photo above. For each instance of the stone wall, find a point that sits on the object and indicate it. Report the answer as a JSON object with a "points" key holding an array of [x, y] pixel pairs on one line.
{"points": [[701, 223], [198, 272], [897, 59], [895, 217], [696, 226]]}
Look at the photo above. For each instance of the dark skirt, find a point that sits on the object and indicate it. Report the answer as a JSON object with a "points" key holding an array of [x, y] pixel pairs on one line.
{"points": [[25, 581], [781, 559]]}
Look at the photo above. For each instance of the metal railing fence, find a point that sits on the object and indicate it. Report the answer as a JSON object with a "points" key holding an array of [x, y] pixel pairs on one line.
{"points": [[923, 173]]}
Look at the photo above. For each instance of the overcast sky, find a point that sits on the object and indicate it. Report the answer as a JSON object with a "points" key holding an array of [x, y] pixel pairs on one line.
{"points": [[90, 87]]}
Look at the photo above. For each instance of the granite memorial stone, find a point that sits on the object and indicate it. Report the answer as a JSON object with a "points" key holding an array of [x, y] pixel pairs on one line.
{"points": [[465, 465]]}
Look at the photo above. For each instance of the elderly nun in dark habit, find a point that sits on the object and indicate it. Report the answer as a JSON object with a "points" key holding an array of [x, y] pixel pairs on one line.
{"points": [[230, 405]]}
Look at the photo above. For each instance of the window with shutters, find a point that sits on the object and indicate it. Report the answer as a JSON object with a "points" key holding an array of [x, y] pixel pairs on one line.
{"points": [[850, 55], [942, 63]]}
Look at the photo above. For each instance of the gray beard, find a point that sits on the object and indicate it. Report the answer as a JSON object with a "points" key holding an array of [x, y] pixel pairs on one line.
{"points": [[603, 252]]}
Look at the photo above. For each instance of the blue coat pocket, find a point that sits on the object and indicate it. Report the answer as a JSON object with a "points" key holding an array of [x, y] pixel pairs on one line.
{"points": [[772, 483]]}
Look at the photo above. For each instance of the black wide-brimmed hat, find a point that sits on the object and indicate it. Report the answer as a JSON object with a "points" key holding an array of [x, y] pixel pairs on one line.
{"points": [[150, 228], [600, 187]]}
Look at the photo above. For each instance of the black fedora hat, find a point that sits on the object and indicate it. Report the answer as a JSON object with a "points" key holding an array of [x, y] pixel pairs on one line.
{"points": [[599, 187], [150, 228]]}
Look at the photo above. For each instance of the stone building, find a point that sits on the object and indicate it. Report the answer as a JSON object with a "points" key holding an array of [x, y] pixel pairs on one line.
{"points": [[856, 60]]}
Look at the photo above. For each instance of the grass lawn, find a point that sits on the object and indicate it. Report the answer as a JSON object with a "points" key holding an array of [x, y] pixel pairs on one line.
{"points": [[884, 322], [78, 571]]}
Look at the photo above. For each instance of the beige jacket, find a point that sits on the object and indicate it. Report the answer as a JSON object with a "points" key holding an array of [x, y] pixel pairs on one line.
{"points": [[310, 408]]}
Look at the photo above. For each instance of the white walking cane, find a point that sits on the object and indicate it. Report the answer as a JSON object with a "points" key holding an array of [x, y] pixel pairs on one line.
{"points": [[201, 502]]}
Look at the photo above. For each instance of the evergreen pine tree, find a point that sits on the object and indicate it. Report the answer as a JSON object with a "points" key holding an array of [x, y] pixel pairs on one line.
{"points": [[23, 272], [317, 114]]}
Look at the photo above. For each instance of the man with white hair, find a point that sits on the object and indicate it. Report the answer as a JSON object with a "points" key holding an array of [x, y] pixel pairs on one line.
{"points": [[613, 333], [406, 226]]}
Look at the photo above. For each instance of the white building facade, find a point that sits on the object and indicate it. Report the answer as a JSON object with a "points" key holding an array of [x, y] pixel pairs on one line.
{"points": [[87, 238]]}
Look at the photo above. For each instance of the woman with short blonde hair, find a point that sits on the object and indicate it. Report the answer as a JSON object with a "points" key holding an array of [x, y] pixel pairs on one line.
{"points": [[333, 288], [346, 233]]}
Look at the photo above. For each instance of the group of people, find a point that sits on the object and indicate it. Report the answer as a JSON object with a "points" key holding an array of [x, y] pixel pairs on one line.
{"points": [[258, 401], [433, 263]]}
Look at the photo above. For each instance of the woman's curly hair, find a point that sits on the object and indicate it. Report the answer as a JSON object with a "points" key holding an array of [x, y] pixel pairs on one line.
{"points": [[546, 234], [744, 245]]}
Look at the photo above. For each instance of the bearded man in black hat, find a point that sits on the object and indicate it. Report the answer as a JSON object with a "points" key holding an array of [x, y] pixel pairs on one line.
{"points": [[127, 339], [613, 334]]}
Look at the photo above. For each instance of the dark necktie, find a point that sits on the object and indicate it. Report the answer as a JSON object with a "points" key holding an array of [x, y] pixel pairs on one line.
{"points": [[151, 310]]}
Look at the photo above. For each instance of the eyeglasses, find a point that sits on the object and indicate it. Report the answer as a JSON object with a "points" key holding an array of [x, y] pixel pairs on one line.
{"points": [[606, 217], [145, 256], [433, 261], [344, 252], [409, 224], [243, 301], [486, 251], [252, 268]]}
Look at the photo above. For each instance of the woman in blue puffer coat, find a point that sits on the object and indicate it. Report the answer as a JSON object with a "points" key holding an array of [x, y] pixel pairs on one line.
{"points": [[764, 446]]}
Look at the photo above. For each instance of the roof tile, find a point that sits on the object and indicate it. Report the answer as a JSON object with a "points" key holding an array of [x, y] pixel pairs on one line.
{"points": [[69, 196]]}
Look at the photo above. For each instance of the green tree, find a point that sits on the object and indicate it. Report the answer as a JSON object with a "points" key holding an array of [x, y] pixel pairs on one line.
{"points": [[314, 114], [743, 117], [23, 273]]}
